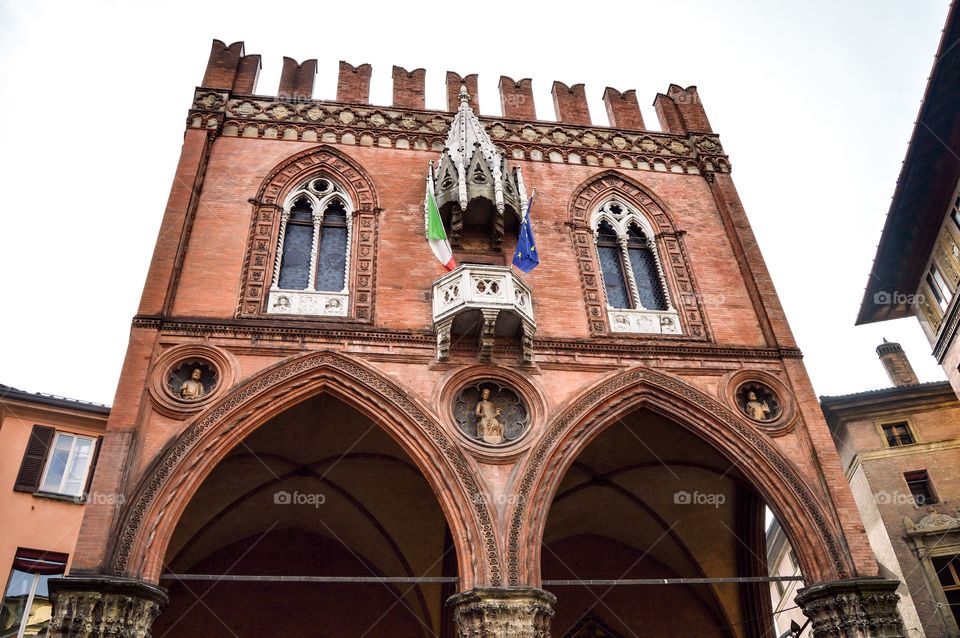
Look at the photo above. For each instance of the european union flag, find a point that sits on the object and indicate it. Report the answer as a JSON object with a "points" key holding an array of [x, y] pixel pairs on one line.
{"points": [[526, 258]]}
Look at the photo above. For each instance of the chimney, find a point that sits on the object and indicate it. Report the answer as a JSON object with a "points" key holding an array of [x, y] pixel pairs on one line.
{"points": [[896, 364]]}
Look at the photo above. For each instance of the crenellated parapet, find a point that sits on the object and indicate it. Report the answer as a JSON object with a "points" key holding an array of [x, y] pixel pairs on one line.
{"points": [[227, 104]]}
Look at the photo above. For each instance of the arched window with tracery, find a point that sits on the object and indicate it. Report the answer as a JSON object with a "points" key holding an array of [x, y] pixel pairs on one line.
{"points": [[633, 279], [312, 271]]}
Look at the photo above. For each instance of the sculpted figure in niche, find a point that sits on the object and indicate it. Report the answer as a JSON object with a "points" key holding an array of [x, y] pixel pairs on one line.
{"points": [[192, 389], [489, 427], [757, 409]]}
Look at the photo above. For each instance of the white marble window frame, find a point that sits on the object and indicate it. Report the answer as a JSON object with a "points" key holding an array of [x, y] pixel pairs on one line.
{"points": [[310, 301], [637, 320]]}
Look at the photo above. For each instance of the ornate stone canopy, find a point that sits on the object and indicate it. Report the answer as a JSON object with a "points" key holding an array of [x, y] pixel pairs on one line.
{"points": [[472, 168]]}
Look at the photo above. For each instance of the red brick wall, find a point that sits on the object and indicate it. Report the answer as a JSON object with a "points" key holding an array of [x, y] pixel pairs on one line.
{"points": [[200, 253]]}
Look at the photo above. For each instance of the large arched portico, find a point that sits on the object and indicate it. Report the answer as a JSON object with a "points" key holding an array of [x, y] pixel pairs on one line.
{"points": [[316, 519], [805, 515], [148, 523]]}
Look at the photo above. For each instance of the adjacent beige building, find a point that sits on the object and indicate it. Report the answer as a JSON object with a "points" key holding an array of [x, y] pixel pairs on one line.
{"points": [[900, 448], [48, 452]]}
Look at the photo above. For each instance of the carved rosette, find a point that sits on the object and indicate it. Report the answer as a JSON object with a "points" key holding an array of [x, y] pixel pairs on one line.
{"points": [[503, 613], [97, 607], [855, 608]]}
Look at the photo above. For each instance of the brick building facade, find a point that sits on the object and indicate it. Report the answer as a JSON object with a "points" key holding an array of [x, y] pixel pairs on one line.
{"points": [[318, 429], [900, 449]]}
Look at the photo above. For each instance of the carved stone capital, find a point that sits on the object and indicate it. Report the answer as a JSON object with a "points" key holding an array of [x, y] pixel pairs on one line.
{"points": [[854, 608], [100, 606], [503, 613]]}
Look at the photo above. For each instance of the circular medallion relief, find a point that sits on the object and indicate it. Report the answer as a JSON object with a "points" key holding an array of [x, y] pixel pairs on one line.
{"points": [[192, 380], [186, 377], [491, 413], [758, 402]]}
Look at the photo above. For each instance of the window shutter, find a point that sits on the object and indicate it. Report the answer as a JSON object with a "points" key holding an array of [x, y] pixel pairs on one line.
{"points": [[93, 466], [34, 458]]}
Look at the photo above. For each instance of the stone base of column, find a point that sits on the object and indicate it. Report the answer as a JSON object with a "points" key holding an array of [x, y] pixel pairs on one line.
{"points": [[503, 613], [854, 608], [103, 606]]}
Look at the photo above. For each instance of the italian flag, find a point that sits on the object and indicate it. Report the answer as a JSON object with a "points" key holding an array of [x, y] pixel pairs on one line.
{"points": [[436, 236]]}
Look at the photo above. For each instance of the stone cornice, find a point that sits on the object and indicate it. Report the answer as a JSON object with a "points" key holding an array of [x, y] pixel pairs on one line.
{"points": [[904, 450], [345, 332], [53, 403], [839, 410], [368, 125]]}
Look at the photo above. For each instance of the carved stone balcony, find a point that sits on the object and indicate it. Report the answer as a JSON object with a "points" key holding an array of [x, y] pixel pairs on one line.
{"points": [[487, 301]]}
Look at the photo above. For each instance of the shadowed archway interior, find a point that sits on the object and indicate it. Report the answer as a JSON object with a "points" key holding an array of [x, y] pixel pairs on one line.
{"points": [[320, 490], [648, 499]]}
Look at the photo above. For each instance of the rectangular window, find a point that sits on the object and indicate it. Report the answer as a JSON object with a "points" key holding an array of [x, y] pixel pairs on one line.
{"points": [[938, 285], [920, 487], [67, 465], [897, 434], [57, 463], [948, 571], [955, 213], [26, 603]]}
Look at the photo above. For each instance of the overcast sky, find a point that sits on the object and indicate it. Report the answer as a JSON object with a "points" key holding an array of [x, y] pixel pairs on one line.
{"points": [[814, 102]]}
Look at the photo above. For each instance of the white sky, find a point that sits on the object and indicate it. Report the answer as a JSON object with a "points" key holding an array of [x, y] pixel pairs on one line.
{"points": [[814, 102]]}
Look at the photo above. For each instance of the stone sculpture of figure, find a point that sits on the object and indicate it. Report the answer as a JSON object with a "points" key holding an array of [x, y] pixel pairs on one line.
{"points": [[489, 427], [756, 409], [192, 389]]}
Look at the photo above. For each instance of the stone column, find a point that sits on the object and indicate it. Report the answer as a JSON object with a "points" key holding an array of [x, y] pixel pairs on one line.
{"points": [[103, 606], [503, 613], [855, 608]]}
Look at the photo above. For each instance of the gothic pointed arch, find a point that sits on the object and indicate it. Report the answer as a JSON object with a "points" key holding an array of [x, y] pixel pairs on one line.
{"points": [[677, 274], [263, 241], [161, 495], [801, 510]]}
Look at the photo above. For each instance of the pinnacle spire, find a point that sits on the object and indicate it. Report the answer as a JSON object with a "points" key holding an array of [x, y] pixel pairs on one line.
{"points": [[472, 168]]}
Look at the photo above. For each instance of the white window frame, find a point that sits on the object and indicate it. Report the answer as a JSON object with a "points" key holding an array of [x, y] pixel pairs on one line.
{"points": [[69, 466], [634, 320], [30, 598], [939, 285], [311, 301]]}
